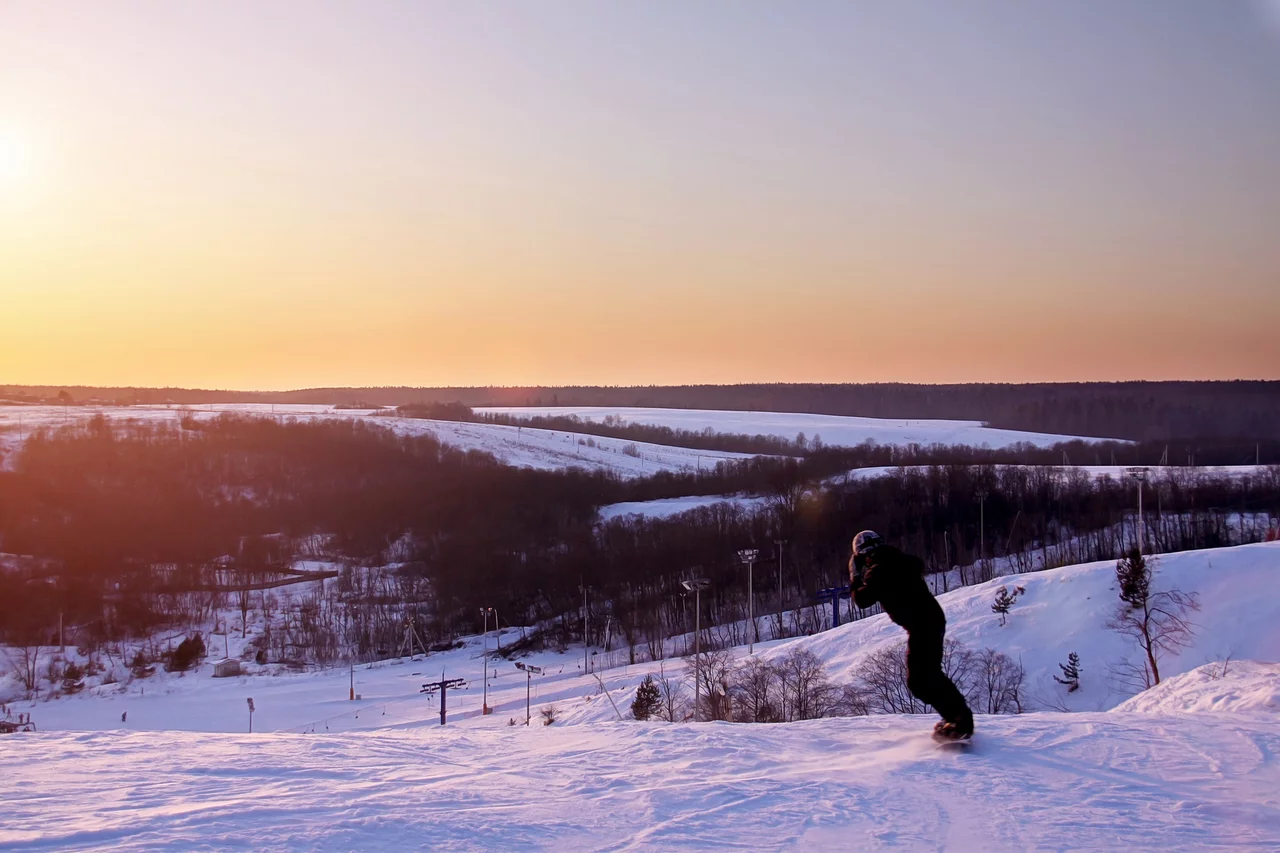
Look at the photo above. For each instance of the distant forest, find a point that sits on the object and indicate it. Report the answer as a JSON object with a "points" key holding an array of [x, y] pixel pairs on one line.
{"points": [[1142, 411]]}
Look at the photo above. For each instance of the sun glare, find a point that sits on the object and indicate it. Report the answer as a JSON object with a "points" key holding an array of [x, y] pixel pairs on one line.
{"points": [[14, 161]]}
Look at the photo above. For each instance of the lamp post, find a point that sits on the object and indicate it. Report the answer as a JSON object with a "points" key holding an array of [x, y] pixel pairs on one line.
{"points": [[779, 543], [1139, 475], [484, 660], [529, 672], [982, 527], [748, 556], [696, 586]]}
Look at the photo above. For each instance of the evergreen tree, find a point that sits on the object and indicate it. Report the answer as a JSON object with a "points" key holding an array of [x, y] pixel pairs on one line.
{"points": [[1070, 673], [1002, 604], [648, 699]]}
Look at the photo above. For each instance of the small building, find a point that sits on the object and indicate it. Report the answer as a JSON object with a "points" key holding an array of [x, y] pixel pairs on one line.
{"points": [[226, 668]]}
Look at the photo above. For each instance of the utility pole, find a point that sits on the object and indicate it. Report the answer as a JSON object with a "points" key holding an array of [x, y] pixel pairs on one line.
{"points": [[529, 672], [443, 686], [696, 586], [748, 556]]}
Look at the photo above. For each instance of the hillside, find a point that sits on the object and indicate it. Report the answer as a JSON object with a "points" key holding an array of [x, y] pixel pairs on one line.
{"points": [[1186, 765]]}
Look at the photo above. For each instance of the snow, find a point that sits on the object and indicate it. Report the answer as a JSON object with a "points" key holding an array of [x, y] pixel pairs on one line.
{"points": [[834, 429], [1186, 765], [1233, 686], [515, 446], [667, 507], [1036, 782], [1115, 472]]}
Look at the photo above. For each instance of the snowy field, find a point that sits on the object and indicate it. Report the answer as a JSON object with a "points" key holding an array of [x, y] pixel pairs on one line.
{"points": [[836, 430], [516, 446]]}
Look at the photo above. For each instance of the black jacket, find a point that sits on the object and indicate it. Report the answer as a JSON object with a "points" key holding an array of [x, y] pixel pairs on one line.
{"points": [[896, 581]]}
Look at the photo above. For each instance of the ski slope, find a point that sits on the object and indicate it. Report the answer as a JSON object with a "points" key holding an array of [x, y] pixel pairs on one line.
{"points": [[835, 430], [1188, 765], [1115, 781]]}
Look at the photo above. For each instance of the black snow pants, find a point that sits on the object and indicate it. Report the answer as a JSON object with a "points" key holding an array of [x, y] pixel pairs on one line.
{"points": [[925, 677]]}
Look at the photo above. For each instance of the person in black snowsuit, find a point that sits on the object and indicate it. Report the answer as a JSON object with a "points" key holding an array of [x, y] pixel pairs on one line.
{"points": [[880, 573]]}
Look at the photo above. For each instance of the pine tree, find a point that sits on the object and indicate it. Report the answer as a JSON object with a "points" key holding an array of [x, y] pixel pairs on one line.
{"points": [[1070, 673], [1134, 576], [648, 699], [1002, 604]]}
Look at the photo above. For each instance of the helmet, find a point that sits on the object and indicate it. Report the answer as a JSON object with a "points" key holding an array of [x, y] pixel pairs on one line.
{"points": [[866, 542]]}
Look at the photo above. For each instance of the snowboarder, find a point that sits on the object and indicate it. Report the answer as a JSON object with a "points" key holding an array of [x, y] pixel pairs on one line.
{"points": [[881, 573]]}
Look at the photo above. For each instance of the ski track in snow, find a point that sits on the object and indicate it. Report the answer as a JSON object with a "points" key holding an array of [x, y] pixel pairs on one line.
{"points": [[1042, 781]]}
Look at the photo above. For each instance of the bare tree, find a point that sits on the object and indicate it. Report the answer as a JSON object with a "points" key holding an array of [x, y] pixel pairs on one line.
{"points": [[714, 676], [25, 661], [1157, 621], [673, 698], [755, 688], [999, 682], [807, 693]]}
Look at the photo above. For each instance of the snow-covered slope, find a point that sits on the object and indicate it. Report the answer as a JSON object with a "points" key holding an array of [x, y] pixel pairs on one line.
{"points": [[1186, 766], [834, 429], [1065, 610], [1037, 782], [1239, 685]]}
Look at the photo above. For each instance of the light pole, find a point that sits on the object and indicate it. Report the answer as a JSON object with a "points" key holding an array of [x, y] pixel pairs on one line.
{"points": [[696, 586], [484, 660], [1140, 475], [748, 556], [779, 543], [982, 526], [584, 629], [529, 672]]}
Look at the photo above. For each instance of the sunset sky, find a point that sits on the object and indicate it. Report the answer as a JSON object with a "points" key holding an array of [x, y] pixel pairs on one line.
{"points": [[263, 195]]}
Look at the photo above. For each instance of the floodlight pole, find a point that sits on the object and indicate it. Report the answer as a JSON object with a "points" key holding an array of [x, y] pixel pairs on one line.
{"points": [[696, 586], [779, 543], [748, 556], [1140, 475], [484, 663], [529, 671], [982, 525]]}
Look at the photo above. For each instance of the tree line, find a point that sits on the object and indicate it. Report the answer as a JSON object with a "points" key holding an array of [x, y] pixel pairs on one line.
{"points": [[1139, 411]]}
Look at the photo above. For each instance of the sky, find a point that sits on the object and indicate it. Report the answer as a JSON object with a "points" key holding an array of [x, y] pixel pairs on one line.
{"points": [[301, 193]]}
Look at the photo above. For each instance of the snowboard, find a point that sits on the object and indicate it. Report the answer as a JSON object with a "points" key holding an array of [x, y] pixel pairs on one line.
{"points": [[960, 744]]}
